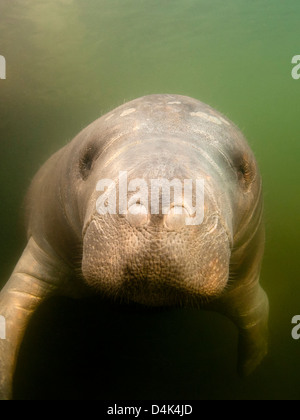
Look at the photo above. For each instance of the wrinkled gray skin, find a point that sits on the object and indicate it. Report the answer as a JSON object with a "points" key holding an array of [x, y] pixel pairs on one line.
{"points": [[155, 260]]}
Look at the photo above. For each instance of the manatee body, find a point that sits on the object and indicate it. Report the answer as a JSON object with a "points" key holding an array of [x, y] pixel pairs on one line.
{"points": [[151, 257]]}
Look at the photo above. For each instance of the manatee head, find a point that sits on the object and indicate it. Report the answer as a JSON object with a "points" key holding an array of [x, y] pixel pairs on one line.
{"points": [[163, 254], [164, 239]]}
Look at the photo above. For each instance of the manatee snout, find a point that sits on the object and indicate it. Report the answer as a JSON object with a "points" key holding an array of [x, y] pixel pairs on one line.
{"points": [[158, 259]]}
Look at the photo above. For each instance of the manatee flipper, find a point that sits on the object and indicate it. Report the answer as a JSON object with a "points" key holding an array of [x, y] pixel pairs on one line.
{"points": [[253, 331], [248, 307], [35, 278]]}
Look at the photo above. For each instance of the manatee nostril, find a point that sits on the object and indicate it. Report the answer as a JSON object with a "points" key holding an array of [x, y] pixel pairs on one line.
{"points": [[137, 215], [176, 218]]}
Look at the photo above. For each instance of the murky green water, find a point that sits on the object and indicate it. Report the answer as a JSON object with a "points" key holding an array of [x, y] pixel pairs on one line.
{"points": [[68, 62]]}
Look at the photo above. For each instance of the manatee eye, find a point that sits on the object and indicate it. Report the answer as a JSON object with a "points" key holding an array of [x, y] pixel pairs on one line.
{"points": [[246, 172], [86, 161]]}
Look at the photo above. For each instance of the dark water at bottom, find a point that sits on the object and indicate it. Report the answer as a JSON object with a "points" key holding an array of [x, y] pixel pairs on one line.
{"points": [[91, 349]]}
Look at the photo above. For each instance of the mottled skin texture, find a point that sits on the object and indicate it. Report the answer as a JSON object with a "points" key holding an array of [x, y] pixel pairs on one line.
{"points": [[154, 260]]}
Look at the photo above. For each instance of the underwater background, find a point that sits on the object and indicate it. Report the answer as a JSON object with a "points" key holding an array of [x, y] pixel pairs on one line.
{"points": [[70, 61]]}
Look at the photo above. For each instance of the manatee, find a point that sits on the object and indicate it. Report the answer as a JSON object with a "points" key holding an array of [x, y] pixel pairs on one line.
{"points": [[144, 252]]}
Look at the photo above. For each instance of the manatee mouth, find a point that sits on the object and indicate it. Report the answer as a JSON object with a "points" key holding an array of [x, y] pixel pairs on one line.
{"points": [[167, 269], [166, 291]]}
